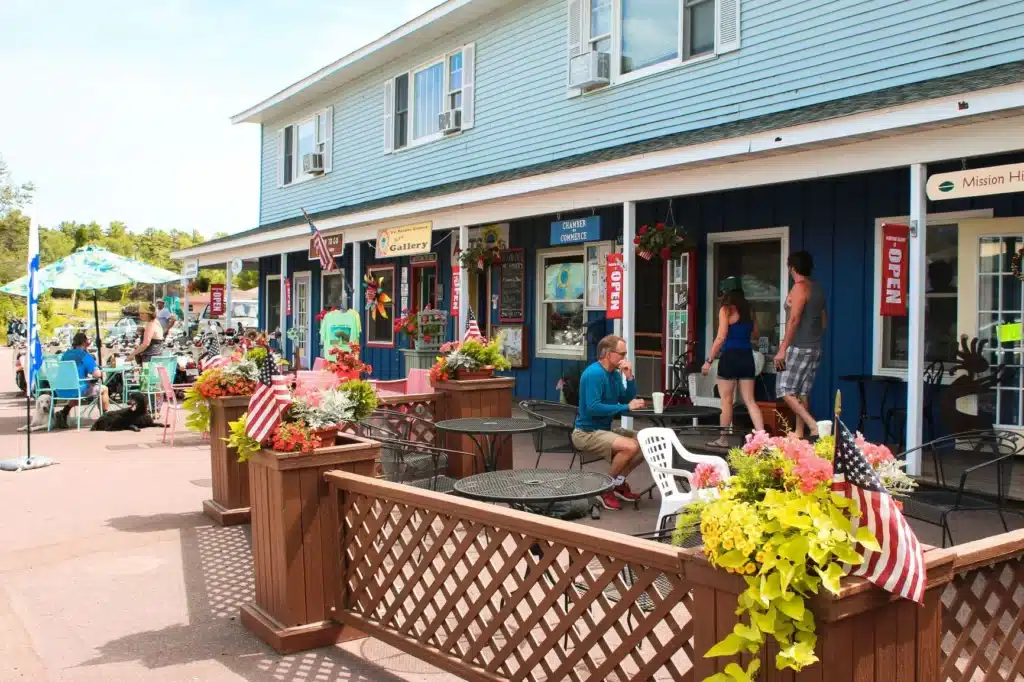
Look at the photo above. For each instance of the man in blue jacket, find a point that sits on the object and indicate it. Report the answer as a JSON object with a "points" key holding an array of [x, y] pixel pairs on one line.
{"points": [[607, 389]]}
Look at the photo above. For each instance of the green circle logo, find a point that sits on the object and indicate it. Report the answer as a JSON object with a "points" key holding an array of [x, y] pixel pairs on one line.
{"points": [[946, 186]]}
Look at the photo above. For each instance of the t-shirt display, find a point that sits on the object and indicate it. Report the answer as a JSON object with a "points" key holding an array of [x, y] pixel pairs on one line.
{"points": [[339, 329]]}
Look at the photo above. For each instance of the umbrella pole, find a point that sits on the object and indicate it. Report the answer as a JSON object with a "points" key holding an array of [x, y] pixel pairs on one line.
{"points": [[28, 416], [96, 319]]}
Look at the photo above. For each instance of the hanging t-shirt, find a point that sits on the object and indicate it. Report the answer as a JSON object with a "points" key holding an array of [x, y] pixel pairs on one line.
{"points": [[338, 329]]}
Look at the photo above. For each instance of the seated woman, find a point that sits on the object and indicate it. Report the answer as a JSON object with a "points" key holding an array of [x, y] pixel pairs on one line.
{"points": [[152, 336]]}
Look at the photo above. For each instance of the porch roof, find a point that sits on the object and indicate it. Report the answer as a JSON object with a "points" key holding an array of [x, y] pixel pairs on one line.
{"points": [[947, 86]]}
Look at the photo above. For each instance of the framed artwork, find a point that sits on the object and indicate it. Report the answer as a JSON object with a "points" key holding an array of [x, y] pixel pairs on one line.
{"points": [[513, 344]]}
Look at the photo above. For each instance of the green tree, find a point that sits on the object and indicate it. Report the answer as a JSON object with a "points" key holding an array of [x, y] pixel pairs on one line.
{"points": [[13, 196]]}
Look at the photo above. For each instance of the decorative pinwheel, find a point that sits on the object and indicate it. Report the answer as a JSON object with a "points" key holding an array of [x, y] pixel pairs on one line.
{"points": [[376, 297]]}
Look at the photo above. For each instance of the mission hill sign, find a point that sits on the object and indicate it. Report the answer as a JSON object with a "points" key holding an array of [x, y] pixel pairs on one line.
{"points": [[977, 182]]}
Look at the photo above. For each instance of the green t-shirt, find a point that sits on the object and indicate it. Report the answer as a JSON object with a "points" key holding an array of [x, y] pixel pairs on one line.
{"points": [[338, 329]]}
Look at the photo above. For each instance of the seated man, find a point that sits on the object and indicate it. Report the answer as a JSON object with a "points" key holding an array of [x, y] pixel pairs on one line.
{"points": [[607, 389], [87, 369]]}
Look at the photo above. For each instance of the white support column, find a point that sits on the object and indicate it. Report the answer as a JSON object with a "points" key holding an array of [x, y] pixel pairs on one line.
{"points": [[916, 299], [228, 287], [357, 281], [283, 323], [460, 330], [184, 305], [629, 287]]}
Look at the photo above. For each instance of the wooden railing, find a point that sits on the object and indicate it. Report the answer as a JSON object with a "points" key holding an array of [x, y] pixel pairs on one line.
{"points": [[494, 594], [983, 612]]}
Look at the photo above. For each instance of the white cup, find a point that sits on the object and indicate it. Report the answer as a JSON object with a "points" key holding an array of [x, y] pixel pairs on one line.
{"points": [[825, 428], [659, 402]]}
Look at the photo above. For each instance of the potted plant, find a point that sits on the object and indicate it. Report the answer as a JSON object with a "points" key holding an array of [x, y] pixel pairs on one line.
{"points": [[473, 359], [665, 241], [777, 523], [346, 363], [478, 255]]}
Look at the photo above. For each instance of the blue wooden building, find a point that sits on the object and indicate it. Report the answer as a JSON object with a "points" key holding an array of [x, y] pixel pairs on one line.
{"points": [[758, 127]]}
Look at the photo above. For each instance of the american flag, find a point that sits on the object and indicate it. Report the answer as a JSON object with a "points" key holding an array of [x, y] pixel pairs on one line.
{"points": [[320, 246], [211, 356], [472, 328], [899, 566], [268, 402]]}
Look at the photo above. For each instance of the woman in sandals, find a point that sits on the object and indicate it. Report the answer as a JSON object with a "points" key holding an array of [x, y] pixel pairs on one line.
{"points": [[734, 349]]}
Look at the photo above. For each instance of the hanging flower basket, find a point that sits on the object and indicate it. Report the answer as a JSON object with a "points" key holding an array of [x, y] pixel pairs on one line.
{"points": [[660, 240]]}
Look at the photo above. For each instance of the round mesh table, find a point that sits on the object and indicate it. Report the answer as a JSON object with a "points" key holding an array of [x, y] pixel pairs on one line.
{"points": [[485, 432], [520, 487]]}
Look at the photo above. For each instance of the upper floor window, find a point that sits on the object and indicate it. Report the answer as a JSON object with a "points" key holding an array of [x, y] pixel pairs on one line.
{"points": [[433, 100], [304, 149], [614, 40]]}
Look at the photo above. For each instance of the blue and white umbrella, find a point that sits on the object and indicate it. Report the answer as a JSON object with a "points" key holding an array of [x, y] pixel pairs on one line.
{"points": [[91, 267]]}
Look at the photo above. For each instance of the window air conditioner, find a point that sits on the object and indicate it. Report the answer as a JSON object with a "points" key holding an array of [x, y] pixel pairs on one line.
{"points": [[450, 121], [590, 70], [313, 163]]}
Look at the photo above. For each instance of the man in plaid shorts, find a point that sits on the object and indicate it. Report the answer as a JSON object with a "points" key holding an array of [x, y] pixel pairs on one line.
{"points": [[799, 353]]}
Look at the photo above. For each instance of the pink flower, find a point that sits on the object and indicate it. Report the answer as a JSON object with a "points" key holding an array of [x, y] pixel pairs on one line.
{"points": [[812, 471], [876, 454], [756, 441], [795, 448], [706, 476]]}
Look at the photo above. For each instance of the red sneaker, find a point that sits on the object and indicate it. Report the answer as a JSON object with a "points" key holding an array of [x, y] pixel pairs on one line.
{"points": [[608, 501], [624, 493]]}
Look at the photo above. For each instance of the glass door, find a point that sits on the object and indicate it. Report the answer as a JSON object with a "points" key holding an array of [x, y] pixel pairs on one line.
{"points": [[677, 321], [300, 320]]}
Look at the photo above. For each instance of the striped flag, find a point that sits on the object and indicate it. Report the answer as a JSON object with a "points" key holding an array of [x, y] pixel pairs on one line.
{"points": [[268, 402], [899, 565], [472, 328], [211, 356], [320, 246]]}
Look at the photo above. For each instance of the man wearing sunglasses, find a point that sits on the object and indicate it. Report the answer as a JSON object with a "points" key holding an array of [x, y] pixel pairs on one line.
{"points": [[607, 389]]}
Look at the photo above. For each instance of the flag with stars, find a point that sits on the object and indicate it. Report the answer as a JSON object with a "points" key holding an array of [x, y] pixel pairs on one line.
{"points": [[268, 402], [472, 328], [898, 567], [211, 354], [320, 246]]}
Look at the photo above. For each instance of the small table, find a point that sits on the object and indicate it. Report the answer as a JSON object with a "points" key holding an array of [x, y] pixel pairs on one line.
{"points": [[674, 413], [108, 376], [522, 488], [862, 381], [489, 429]]}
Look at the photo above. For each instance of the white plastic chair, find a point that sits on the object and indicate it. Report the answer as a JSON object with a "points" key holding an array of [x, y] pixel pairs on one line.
{"points": [[657, 445]]}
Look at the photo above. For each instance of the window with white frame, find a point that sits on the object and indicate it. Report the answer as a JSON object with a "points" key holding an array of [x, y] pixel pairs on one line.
{"points": [[561, 317], [332, 290], [305, 149], [379, 330], [414, 102], [940, 308], [645, 36]]}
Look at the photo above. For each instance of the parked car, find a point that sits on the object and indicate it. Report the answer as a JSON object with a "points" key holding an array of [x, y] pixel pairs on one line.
{"points": [[244, 312], [126, 327]]}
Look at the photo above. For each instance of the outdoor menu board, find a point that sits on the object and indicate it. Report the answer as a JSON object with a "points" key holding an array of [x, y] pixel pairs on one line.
{"points": [[512, 286]]}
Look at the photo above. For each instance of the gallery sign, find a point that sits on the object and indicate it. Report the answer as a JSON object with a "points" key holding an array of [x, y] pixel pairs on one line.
{"points": [[407, 240], [977, 182], [613, 285], [895, 264], [576, 231]]}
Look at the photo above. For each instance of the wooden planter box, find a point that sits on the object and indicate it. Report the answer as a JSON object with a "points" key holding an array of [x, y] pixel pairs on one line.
{"points": [[862, 632], [230, 503], [295, 543], [476, 398]]}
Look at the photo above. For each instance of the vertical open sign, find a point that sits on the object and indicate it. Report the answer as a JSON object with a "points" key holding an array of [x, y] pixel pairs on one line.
{"points": [[895, 266], [614, 287]]}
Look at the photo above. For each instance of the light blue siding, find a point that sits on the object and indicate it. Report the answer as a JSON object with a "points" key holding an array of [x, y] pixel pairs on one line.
{"points": [[794, 53]]}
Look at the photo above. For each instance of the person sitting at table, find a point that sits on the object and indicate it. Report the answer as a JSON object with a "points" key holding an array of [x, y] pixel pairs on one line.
{"points": [[607, 389], [89, 375], [152, 336], [736, 331]]}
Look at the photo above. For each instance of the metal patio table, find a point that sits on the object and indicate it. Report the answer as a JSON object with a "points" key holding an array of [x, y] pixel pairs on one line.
{"points": [[674, 413], [486, 432], [520, 488], [865, 380]]}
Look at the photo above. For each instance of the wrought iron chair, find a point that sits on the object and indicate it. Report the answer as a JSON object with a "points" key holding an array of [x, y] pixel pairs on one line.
{"points": [[898, 415], [559, 420], [998, 449], [404, 426], [415, 463]]}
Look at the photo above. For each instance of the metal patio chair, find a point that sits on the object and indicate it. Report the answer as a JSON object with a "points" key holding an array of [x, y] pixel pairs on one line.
{"points": [[414, 463], [895, 417], [559, 421]]}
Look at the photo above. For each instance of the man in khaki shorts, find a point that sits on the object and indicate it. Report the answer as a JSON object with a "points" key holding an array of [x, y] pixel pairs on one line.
{"points": [[607, 389]]}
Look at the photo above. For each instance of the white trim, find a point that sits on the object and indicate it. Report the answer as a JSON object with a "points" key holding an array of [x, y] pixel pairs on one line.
{"points": [[876, 319], [732, 237], [699, 169], [266, 303], [542, 349], [412, 142], [368, 323], [308, 347], [298, 176], [339, 272]]}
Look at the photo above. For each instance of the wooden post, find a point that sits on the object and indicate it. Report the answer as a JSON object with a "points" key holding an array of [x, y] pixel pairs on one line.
{"points": [[295, 543], [476, 398], [864, 633], [230, 503]]}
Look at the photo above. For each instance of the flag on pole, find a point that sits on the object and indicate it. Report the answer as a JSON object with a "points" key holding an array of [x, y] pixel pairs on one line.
{"points": [[268, 402], [33, 350], [898, 567], [472, 328], [320, 246], [211, 356]]}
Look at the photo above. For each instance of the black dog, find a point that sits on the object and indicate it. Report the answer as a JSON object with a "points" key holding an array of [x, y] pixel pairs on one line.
{"points": [[132, 418]]}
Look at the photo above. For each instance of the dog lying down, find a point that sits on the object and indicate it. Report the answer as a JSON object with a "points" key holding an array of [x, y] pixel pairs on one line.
{"points": [[132, 418], [40, 414]]}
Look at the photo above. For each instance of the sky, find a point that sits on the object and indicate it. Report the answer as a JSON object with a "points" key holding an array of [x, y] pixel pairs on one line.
{"points": [[119, 109]]}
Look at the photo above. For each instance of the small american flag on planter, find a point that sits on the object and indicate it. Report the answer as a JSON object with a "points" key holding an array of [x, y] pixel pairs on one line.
{"points": [[646, 255]]}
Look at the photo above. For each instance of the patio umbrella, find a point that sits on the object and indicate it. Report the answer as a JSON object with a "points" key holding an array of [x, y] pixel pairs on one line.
{"points": [[92, 267]]}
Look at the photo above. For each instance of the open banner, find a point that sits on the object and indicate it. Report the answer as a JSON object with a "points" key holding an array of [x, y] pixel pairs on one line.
{"points": [[895, 264]]}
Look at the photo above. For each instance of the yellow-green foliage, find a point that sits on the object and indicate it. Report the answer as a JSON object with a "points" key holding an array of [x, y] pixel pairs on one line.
{"points": [[240, 440], [197, 408]]}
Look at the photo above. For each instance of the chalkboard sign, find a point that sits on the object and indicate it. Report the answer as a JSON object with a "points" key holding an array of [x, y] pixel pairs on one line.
{"points": [[512, 286]]}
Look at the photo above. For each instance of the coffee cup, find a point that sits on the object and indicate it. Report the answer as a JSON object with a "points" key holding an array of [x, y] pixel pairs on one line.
{"points": [[659, 402]]}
